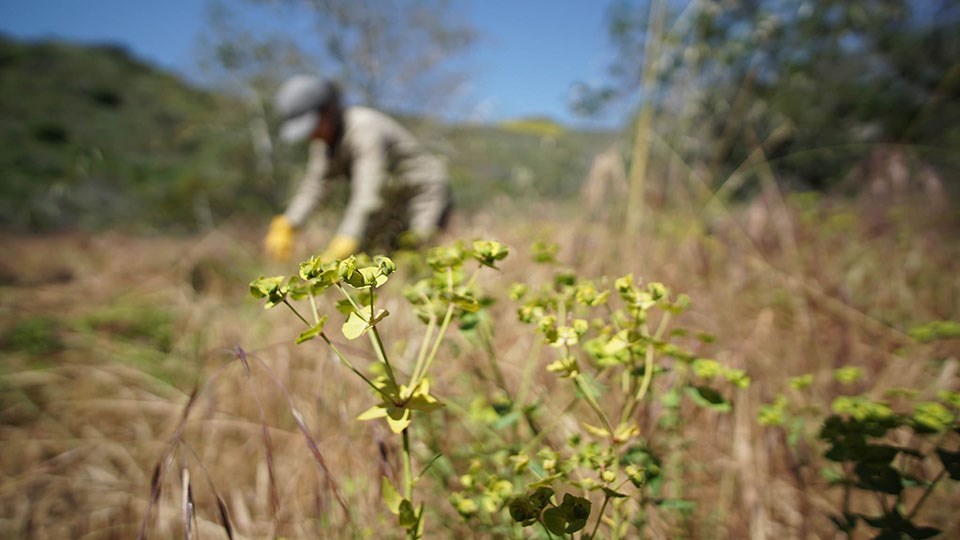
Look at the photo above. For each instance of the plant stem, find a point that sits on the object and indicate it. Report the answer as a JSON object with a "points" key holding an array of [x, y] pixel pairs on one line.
{"points": [[337, 352], [603, 507], [447, 317], [664, 321], [611, 317], [846, 497], [926, 493], [546, 529], [472, 280], [578, 379], [644, 385], [313, 308], [347, 363], [297, 313], [382, 354], [407, 467], [374, 335], [527, 378], [487, 339], [424, 346], [436, 345]]}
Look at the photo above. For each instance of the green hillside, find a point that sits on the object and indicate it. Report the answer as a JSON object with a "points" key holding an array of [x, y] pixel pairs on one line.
{"points": [[91, 136], [519, 163]]}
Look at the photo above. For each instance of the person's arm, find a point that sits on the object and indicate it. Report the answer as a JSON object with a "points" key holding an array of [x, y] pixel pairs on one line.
{"points": [[367, 177], [279, 240], [312, 187]]}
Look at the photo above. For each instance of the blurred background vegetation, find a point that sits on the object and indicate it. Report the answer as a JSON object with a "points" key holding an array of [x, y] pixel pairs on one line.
{"points": [[824, 92], [93, 137], [815, 85], [796, 164]]}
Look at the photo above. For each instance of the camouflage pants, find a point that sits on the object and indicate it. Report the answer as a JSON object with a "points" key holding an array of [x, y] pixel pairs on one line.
{"points": [[421, 210]]}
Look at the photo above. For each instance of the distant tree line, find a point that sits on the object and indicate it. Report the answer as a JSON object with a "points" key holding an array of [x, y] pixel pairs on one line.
{"points": [[815, 85]]}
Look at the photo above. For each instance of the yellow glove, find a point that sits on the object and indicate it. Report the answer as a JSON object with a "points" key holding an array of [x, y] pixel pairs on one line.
{"points": [[279, 240], [342, 246]]}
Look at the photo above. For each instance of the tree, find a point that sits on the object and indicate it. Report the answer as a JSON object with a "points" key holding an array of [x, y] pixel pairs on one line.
{"points": [[390, 53], [813, 85]]}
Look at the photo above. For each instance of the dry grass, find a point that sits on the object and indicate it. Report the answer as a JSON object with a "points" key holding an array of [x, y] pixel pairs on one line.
{"points": [[227, 425]]}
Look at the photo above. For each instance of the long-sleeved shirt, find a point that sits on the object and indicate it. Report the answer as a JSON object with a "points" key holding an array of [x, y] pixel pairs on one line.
{"points": [[373, 147]]}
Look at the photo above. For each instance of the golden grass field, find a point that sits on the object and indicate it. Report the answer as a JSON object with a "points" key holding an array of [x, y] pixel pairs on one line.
{"points": [[107, 335]]}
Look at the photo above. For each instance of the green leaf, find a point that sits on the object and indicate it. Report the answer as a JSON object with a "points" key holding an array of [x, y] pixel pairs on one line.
{"points": [[507, 420], [311, 268], [613, 494], [544, 252], [565, 367], [848, 374], [936, 330], [569, 517], [773, 414], [443, 257], [379, 316], [878, 454], [554, 520], [708, 398], [951, 462], [833, 476], [922, 533], [596, 430], [385, 264], [466, 302], [579, 511], [418, 531], [546, 481], [894, 526], [354, 326], [845, 523], [369, 277], [488, 252], [636, 474], [541, 497], [469, 321], [421, 400], [932, 416], [681, 505], [346, 268], [391, 497], [879, 477], [952, 399], [862, 408], [406, 515], [398, 419], [313, 332], [707, 368], [271, 288], [466, 507], [377, 411], [617, 343], [523, 511]]}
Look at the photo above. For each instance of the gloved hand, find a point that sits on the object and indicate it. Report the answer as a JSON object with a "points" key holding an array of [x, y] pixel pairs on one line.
{"points": [[279, 240], [341, 247]]}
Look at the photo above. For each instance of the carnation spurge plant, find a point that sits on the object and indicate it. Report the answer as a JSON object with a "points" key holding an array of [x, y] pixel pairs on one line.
{"points": [[617, 348], [401, 393], [885, 456], [614, 342]]}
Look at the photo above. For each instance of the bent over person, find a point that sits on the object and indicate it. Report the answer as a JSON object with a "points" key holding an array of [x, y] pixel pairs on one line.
{"points": [[364, 146]]}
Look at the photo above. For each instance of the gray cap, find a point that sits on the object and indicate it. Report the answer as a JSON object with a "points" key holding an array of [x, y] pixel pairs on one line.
{"points": [[298, 101]]}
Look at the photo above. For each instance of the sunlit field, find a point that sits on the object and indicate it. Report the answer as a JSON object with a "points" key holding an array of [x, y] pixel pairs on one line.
{"points": [[138, 367], [701, 278]]}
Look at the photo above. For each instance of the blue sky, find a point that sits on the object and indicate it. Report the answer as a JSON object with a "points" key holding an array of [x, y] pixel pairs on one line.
{"points": [[528, 56]]}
